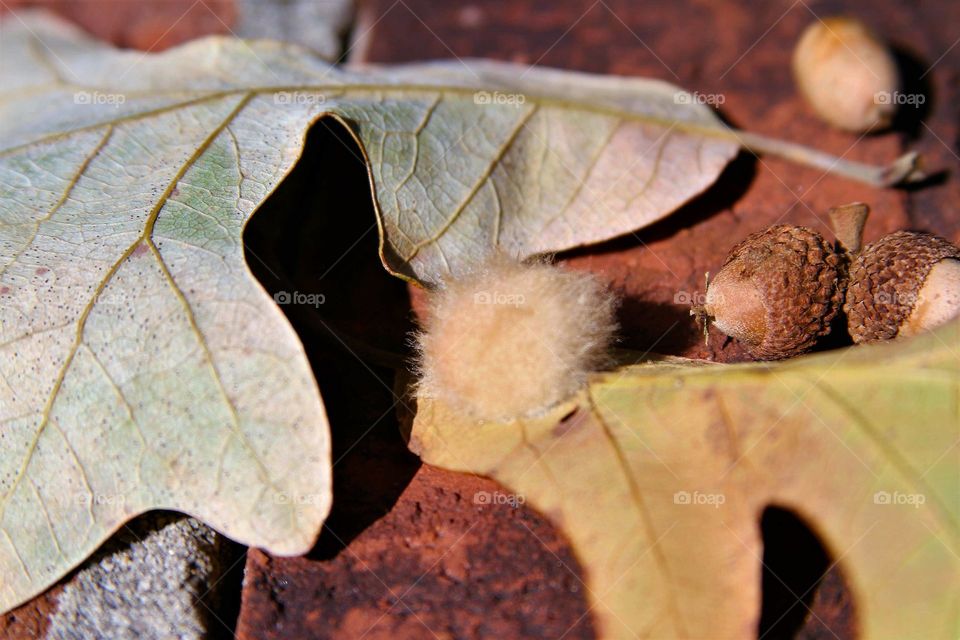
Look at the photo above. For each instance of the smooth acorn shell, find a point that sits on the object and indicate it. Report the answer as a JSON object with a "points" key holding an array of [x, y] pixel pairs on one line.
{"points": [[938, 301], [846, 74]]}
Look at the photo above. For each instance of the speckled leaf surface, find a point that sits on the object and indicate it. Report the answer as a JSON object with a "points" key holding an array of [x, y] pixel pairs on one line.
{"points": [[659, 474], [141, 364]]}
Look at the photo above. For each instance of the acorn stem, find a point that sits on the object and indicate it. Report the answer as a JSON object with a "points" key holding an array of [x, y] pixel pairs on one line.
{"points": [[700, 314], [903, 170], [702, 318], [847, 222]]}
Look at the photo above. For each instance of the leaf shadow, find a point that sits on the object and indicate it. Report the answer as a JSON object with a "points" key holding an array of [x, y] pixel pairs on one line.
{"points": [[657, 325], [798, 578], [313, 241], [316, 234], [914, 84]]}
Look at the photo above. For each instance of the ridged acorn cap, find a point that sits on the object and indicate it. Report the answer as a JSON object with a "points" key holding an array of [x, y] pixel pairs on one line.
{"points": [[777, 292], [886, 282]]}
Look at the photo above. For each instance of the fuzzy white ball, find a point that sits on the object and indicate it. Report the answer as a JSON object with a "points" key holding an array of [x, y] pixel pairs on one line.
{"points": [[512, 339]]}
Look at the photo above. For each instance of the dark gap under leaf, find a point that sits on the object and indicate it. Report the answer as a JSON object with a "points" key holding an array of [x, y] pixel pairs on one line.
{"points": [[804, 593], [658, 325], [316, 235], [313, 246]]}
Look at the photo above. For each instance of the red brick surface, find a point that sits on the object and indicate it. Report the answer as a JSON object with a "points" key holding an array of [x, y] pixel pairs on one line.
{"points": [[407, 549], [149, 25]]}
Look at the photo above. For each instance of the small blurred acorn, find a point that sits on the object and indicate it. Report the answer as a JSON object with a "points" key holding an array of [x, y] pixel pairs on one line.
{"points": [[901, 285], [847, 74], [512, 339], [777, 292]]}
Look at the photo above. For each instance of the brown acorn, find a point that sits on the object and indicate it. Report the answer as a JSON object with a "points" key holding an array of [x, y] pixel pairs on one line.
{"points": [[777, 292], [901, 285]]}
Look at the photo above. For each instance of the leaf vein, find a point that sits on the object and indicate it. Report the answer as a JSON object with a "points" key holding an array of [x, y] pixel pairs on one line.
{"points": [[484, 176], [85, 313], [74, 179], [638, 502], [899, 462]]}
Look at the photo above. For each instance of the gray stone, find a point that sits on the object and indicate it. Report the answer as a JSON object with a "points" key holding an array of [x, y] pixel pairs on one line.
{"points": [[156, 578], [319, 25]]}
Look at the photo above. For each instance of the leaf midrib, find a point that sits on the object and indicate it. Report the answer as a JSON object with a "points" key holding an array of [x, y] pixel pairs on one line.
{"points": [[716, 130]]}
